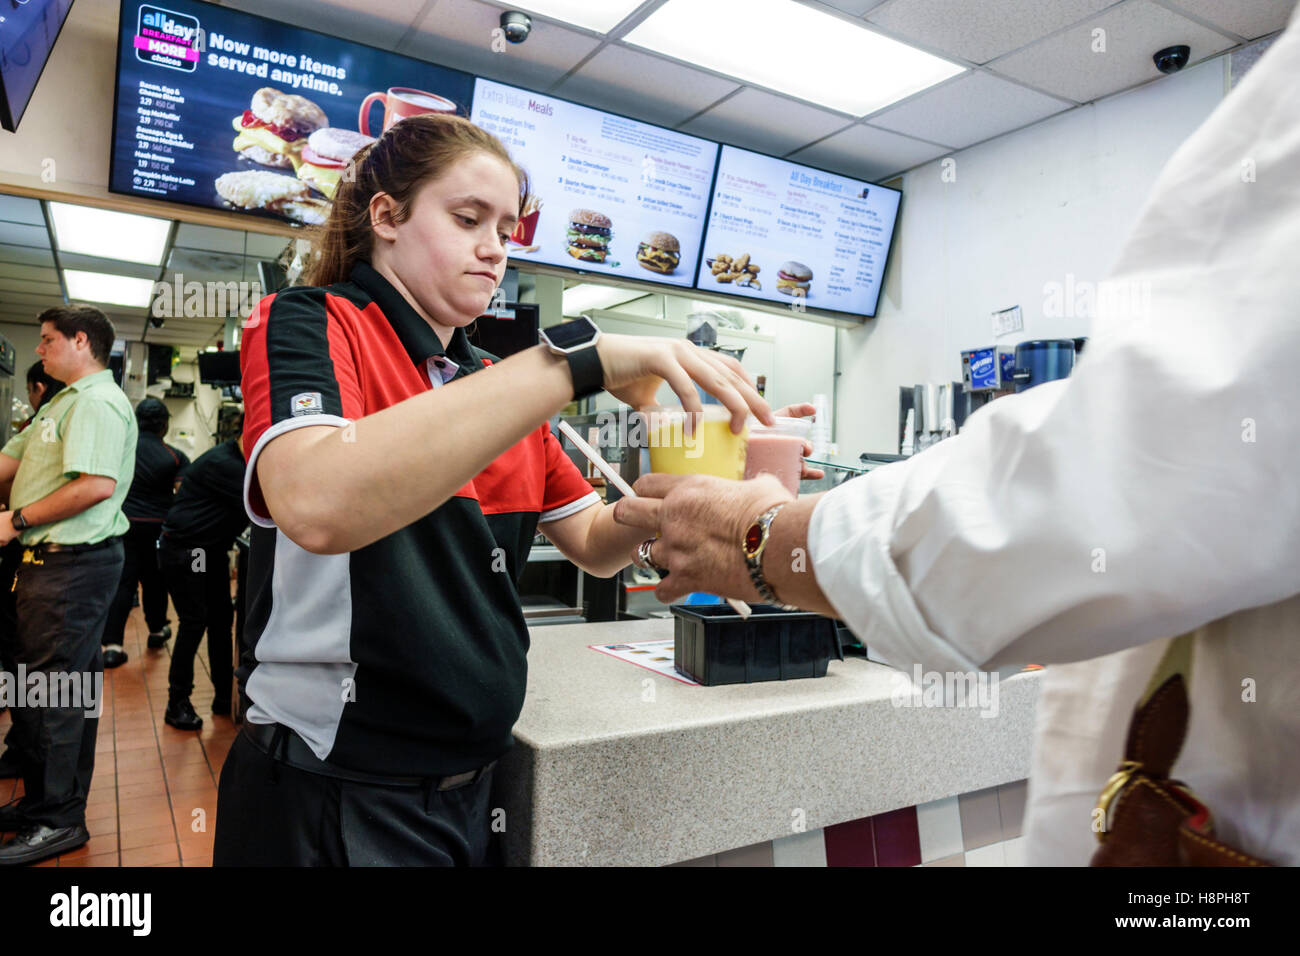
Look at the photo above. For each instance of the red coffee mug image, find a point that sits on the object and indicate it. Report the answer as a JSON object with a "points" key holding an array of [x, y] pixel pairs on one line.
{"points": [[401, 102]]}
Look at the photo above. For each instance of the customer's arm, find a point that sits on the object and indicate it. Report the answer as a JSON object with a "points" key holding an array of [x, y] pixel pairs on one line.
{"points": [[1150, 493]]}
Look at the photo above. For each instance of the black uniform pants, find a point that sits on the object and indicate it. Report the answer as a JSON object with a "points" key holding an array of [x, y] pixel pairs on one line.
{"points": [[62, 605], [140, 566], [272, 814], [199, 581], [10, 555]]}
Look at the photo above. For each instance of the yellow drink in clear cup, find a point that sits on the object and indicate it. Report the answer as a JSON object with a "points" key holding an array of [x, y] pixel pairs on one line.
{"points": [[711, 450]]}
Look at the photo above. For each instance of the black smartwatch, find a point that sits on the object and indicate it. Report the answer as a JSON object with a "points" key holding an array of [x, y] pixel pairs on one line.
{"points": [[576, 341], [18, 521]]}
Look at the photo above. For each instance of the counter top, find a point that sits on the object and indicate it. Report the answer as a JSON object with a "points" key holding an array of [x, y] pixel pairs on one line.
{"points": [[617, 765]]}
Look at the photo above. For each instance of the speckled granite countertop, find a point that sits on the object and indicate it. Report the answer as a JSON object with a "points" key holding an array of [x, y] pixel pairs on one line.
{"points": [[611, 770]]}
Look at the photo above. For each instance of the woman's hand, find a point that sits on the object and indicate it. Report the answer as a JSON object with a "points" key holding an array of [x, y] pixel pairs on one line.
{"points": [[802, 410], [635, 366]]}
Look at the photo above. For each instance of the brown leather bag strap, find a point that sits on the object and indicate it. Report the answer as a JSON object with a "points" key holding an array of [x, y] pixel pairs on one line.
{"points": [[1148, 819]]}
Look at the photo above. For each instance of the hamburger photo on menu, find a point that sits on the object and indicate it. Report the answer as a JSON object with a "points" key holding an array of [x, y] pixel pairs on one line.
{"points": [[793, 278], [659, 252], [274, 128], [588, 235]]}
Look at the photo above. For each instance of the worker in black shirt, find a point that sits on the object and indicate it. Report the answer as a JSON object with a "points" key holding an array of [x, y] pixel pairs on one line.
{"points": [[200, 530], [158, 468], [41, 387]]}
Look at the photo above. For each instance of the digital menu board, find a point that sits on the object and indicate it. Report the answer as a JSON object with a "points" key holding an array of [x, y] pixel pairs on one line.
{"points": [[233, 111], [28, 29], [781, 232], [614, 195]]}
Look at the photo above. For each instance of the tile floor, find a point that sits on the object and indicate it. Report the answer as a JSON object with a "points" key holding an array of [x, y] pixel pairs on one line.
{"points": [[153, 797]]}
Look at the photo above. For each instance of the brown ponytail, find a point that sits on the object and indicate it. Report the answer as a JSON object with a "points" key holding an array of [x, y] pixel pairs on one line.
{"points": [[411, 152]]}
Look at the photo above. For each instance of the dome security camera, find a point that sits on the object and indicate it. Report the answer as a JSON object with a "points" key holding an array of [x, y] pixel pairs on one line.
{"points": [[1172, 58], [516, 25]]}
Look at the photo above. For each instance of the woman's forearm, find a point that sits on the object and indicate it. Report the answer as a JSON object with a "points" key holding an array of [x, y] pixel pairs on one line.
{"points": [[610, 546], [333, 490]]}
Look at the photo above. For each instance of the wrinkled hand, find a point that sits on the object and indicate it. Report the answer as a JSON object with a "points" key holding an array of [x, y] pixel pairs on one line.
{"points": [[802, 410], [7, 530], [635, 366], [701, 521]]}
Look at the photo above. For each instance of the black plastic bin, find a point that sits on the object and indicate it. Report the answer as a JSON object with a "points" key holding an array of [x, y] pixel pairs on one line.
{"points": [[715, 645]]}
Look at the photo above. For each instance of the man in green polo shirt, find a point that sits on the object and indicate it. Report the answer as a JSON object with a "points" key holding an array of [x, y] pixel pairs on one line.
{"points": [[65, 477]]}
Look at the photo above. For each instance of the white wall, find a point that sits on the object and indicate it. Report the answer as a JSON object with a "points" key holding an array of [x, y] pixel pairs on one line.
{"points": [[1025, 210]]}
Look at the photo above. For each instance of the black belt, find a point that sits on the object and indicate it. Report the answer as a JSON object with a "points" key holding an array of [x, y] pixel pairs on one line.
{"points": [[37, 552], [282, 744]]}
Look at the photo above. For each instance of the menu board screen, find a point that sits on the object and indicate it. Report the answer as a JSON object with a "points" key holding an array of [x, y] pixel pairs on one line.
{"points": [[779, 232], [28, 29], [233, 111], [611, 194]]}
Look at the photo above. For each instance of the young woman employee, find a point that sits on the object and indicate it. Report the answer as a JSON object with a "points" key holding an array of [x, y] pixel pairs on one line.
{"points": [[396, 477]]}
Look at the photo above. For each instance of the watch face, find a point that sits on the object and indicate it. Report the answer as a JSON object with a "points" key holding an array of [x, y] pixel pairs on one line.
{"points": [[753, 538], [568, 335]]}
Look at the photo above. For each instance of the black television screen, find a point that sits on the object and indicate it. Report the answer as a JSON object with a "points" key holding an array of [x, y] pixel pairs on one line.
{"points": [[781, 232], [219, 368], [28, 29], [617, 196], [229, 110], [504, 336]]}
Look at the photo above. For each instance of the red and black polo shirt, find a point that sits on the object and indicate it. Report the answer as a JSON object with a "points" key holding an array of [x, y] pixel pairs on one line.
{"points": [[406, 657]]}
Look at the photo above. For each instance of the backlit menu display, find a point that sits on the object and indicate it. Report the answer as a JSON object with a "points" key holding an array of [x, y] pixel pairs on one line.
{"points": [[782, 232], [612, 195], [225, 109]]}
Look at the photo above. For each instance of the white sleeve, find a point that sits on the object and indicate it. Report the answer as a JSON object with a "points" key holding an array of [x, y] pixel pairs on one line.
{"points": [[1155, 490]]}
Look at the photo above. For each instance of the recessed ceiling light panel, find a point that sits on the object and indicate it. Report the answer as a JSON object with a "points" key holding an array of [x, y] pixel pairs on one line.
{"points": [[792, 49], [87, 231], [108, 289]]}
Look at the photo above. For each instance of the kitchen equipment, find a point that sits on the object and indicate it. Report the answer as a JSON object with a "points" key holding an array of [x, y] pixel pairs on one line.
{"points": [[1043, 360]]}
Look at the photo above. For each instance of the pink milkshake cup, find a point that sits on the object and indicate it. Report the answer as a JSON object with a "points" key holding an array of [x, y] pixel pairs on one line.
{"points": [[778, 450]]}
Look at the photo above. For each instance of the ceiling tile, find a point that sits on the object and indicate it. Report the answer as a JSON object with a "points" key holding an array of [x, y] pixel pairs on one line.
{"points": [[1246, 18], [115, 267], [1067, 66], [210, 238], [45, 287], [458, 33], [21, 209], [855, 7], [980, 31], [756, 119], [868, 153], [12, 270], [263, 246], [378, 23], [26, 255], [22, 234], [972, 108], [648, 87]]}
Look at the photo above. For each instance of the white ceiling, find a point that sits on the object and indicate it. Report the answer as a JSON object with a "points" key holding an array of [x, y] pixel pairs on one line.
{"points": [[1025, 59], [29, 280]]}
